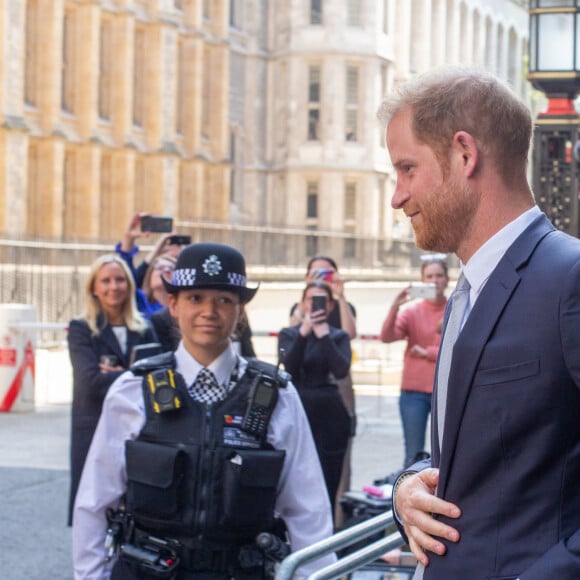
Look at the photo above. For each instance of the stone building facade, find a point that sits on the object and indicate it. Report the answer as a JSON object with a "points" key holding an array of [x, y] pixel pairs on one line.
{"points": [[250, 120], [106, 111], [310, 157]]}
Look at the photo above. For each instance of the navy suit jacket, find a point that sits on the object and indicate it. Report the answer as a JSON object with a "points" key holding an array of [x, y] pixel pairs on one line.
{"points": [[511, 451]]}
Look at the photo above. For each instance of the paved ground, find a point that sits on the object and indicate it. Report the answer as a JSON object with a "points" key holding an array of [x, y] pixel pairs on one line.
{"points": [[34, 541]]}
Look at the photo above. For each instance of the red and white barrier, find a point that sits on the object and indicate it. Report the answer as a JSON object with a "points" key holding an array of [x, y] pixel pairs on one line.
{"points": [[17, 348]]}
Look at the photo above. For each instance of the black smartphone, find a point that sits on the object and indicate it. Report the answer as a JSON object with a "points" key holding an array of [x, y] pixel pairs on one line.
{"points": [[179, 240], [110, 360], [146, 350], [156, 224], [318, 303]]}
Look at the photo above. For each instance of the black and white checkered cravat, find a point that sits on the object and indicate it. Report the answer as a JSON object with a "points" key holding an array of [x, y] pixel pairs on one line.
{"points": [[206, 388]]}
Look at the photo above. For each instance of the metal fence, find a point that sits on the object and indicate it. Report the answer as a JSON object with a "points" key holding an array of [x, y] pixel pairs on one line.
{"points": [[352, 561], [51, 274]]}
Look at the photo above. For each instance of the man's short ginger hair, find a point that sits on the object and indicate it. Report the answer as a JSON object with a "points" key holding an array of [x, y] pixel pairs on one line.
{"points": [[451, 99]]}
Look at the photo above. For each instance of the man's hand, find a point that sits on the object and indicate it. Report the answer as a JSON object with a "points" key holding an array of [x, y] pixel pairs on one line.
{"points": [[416, 504]]}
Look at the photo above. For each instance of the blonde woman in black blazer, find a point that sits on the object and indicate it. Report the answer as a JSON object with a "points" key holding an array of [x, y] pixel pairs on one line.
{"points": [[100, 343]]}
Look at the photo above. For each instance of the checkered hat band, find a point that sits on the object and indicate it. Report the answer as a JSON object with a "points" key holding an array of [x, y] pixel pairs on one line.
{"points": [[183, 277], [236, 279], [187, 277]]}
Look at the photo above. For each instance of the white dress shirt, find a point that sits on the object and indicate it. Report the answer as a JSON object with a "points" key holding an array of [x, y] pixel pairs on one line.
{"points": [[478, 270], [481, 265], [302, 501]]}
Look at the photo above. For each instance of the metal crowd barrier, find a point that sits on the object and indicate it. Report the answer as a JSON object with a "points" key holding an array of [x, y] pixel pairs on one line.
{"points": [[343, 539]]}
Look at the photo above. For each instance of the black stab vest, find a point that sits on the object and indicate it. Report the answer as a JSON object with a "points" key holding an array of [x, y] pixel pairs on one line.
{"points": [[195, 476]]}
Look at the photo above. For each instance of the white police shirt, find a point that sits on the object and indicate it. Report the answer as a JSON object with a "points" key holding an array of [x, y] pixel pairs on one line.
{"points": [[302, 501]]}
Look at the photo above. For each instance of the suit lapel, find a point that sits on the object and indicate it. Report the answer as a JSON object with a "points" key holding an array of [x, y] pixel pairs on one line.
{"points": [[473, 337]]}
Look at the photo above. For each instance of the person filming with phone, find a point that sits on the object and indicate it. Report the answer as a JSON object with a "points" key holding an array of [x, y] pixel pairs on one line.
{"points": [[317, 354], [419, 323], [343, 315]]}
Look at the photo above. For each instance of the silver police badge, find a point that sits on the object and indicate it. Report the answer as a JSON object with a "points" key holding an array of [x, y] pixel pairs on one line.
{"points": [[212, 265]]}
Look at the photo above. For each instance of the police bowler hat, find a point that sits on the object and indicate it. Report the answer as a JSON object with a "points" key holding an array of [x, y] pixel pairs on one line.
{"points": [[211, 266]]}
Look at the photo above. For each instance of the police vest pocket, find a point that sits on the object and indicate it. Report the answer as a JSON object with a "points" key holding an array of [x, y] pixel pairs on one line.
{"points": [[155, 476], [250, 484]]}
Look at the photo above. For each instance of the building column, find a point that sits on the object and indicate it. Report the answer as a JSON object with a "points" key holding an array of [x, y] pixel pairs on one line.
{"points": [[403, 39], [438, 35], [13, 181]]}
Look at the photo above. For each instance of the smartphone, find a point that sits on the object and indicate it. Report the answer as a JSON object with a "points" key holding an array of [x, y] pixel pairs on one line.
{"points": [[109, 360], [156, 224], [318, 303], [146, 350], [324, 274], [423, 290], [179, 240]]}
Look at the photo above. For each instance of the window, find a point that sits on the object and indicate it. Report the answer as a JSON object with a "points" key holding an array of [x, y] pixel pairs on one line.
{"points": [[35, 220], [351, 113], [235, 13], [350, 219], [139, 78], [350, 202], [315, 11], [139, 187], [312, 200], [233, 166], [180, 93], [31, 47], [67, 79], [206, 95], [105, 72], [353, 13], [386, 16], [68, 200], [107, 203], [349, 243], [313, 103], [207, 9], [499, 43], [311, 243]]}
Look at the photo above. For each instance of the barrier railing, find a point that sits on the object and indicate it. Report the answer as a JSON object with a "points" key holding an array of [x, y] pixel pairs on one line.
{"points": [[343, 539]]}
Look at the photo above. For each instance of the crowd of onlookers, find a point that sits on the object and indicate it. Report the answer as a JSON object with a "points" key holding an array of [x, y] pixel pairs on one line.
{"points": [[126, 309], [127, 317]]}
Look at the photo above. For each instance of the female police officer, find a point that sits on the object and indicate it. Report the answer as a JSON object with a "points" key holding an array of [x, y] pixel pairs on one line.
{"points": [[199, 462]]}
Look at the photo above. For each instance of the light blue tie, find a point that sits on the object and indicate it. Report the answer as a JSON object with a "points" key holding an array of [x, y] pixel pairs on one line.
{"points": [[459, 301]]}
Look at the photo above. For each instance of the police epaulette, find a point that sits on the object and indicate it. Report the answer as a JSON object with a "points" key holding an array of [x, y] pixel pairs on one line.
{"points": [[146, 365], [282, 378]]}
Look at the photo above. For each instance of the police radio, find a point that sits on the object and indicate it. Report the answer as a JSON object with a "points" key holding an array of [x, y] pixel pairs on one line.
{"points": [[261, 404]]}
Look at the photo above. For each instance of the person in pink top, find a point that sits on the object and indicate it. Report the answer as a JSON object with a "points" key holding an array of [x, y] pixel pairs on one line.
{"points": [[419, 323]]}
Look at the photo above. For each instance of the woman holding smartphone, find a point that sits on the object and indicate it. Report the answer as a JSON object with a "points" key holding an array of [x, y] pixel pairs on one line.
{"points": [[343, 315], [317, 354], [100, 343], [419, 323]]}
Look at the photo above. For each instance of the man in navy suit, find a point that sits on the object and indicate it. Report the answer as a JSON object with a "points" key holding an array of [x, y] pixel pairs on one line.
{"points": [[500, 498]]}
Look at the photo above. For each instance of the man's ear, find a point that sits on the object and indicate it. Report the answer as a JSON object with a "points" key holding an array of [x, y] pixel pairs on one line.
{"points": [[465, 147]]}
